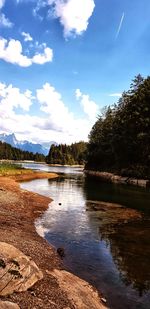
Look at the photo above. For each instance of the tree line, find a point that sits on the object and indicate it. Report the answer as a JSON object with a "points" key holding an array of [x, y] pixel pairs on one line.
{"points": [[61, 154], [67, 154], [8, 152], [120, 139]]}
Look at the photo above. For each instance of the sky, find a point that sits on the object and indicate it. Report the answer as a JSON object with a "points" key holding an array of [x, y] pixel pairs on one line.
{"points": [[63, 61]]}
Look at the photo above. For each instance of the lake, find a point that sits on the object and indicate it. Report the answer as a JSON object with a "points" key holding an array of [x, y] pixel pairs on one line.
{"points": [[117, 263]]}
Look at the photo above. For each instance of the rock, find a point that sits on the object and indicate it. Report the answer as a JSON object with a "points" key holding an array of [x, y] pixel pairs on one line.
{"points": [[103, 300], [110, 177], [8, 305], [61, 251], [132, 181], [20, 272], [142, 183], [81, 294], [33, 293]]}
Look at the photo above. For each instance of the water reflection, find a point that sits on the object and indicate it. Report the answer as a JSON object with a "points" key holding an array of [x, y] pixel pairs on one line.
{"points": [[56, 169], [130, 248], [116, 259], [129, 196], [129, 241]]}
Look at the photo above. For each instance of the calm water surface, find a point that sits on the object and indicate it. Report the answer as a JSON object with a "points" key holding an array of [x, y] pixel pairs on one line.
{"points": [[117, 264]]}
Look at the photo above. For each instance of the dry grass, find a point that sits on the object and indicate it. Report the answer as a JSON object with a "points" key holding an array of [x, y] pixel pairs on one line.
{"points": [[10, 169]]}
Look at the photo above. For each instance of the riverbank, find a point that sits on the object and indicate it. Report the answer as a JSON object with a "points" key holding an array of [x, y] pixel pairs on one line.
{"points": [[113, 178], [58, 288]]}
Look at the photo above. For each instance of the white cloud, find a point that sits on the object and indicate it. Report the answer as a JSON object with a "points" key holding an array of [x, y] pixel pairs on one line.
{"points": [[2, 2], [54, 121], [11, 97], [90, 107], [5, 22], [60, 122], [11, 51], [47, 56], [117, 94], [40, 4], [73, 14], [40, 46], [27, 36], [78, 94], [52, 104]]}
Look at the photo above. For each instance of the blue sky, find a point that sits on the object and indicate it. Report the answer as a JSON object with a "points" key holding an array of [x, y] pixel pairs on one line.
{"points": [[62, 61]]}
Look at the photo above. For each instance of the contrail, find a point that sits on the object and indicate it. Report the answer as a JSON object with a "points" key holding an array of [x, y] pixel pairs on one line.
{"points": [[120, 25]]}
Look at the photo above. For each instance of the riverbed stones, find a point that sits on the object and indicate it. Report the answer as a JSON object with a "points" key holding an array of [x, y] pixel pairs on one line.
{"points": [[18, 273]]}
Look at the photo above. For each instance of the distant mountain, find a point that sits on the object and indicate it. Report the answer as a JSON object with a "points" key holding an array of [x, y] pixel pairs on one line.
{"points": [[26, 145], [9, 139]]}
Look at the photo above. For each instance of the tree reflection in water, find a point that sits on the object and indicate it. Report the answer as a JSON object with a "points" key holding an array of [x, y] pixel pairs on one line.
{"points": [[130, 248], [128, 238], [127, 233]]}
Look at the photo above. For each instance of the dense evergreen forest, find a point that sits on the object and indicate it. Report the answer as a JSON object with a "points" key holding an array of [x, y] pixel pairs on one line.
{"points": [[120, 139], [64, 154], [8, 152]]}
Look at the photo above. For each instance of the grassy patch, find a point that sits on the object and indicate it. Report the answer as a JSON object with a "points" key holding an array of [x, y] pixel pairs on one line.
{"points": [[7, 168]]}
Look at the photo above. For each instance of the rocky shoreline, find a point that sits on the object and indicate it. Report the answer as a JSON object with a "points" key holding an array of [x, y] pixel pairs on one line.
{"points": [[57, 288], [113, 178]]}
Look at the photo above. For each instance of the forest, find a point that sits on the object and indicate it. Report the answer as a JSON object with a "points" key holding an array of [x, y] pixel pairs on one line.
{"points": [[8, 152], [120, 139], [61, 154], [67, 154]]}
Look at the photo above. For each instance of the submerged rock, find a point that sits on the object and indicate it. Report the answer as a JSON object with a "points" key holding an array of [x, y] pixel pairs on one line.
{"points": [[61, 251]]}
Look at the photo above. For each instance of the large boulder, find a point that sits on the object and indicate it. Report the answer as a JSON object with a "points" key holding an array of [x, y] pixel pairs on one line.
{"points": [[81, 294], [17, 271]]}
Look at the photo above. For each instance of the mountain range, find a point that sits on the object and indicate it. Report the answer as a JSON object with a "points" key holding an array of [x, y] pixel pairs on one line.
{"points": [[26, 145]]}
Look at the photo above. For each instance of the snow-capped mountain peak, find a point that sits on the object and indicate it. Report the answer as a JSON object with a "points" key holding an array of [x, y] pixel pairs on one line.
{"points": [[25, 145]]}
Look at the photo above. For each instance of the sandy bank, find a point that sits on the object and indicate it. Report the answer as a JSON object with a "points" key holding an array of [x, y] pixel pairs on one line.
{"points": [[18, 211]]}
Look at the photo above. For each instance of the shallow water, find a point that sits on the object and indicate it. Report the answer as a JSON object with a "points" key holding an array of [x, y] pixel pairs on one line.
{"points": [[117, 263]]}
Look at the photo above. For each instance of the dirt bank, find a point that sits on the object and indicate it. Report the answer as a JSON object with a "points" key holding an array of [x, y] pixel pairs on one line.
{"points": [[18, 211]]}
